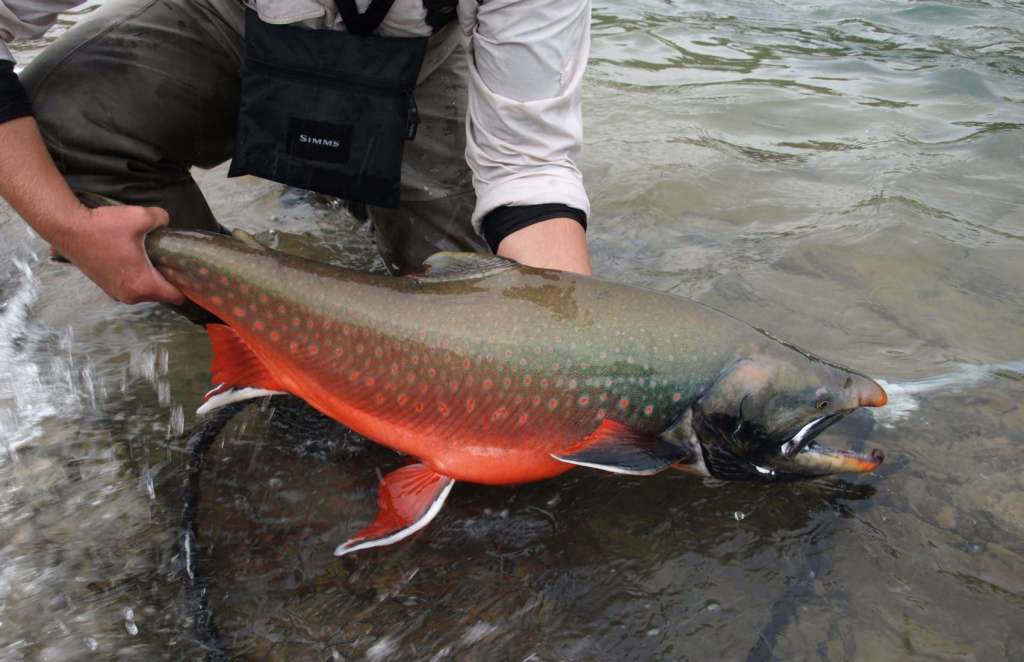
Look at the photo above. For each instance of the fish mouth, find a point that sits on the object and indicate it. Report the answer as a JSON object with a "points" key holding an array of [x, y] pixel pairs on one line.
{"points": [[814, 458], [817, 459]]}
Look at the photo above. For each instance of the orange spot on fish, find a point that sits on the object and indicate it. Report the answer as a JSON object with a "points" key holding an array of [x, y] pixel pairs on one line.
{"points": [[523, 418], [487, 384], [583, 401], [442, 409], [370, 381], [296, 321], [264, 298], [257, 325], [623, 403], [676, 397], [339, 351], [313, 350], [527, 380], [600, 414], [402, 399], [379, 398], [431, 372], [238, 311], [470, 404], [353, 375], [506, 382], [465, 363], [454, 386], [293, 346], [553, 404], [215, 300], [499, 414], [275, 336], [648, 410], [418, 407], [535, 400]]}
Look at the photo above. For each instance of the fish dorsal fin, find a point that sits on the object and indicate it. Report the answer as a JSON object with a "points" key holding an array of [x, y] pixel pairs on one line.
{"points": [[449, 265], [617, 448], [235, 370]]}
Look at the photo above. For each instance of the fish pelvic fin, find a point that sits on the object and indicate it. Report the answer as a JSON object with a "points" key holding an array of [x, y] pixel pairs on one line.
{"points": [[407, 500], [617, 448], [236, 370]]}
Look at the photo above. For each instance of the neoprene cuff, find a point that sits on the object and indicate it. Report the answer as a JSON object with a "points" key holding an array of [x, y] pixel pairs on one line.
{"points": [[503, 221], [14, 101]]}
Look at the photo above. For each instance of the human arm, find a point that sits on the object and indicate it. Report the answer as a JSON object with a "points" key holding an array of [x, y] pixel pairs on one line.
{"points": [[524, 129], [107, 243]]}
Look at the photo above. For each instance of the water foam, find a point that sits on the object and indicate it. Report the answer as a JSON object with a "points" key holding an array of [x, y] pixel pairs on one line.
{"points": [[905, 397]]}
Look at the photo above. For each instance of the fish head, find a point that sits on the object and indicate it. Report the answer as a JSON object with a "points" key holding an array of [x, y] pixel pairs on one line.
{"points": [[761, 418]]}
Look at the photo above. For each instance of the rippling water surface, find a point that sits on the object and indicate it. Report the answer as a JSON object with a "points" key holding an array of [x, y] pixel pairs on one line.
{"points": [[846, 174]]}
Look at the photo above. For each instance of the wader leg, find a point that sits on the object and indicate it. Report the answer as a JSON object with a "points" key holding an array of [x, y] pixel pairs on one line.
{"points": [[437, 186], [137, 93]]}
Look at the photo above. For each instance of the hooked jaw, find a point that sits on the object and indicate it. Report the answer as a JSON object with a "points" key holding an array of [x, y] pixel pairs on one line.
{"points": [[815, 459]]}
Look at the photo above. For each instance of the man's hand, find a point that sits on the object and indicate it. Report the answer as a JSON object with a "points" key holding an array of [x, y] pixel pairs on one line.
{"points": [[108, 245], [558, 243]]}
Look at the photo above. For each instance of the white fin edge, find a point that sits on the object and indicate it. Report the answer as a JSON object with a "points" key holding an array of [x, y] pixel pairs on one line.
{"points": [[610, 468], [234, 395], [401, 534]]}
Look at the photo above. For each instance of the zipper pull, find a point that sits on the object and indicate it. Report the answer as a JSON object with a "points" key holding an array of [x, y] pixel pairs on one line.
{"points": [[413, 115]]}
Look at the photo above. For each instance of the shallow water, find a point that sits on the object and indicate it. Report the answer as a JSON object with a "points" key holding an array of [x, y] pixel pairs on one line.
{"points": [[847, 175]]}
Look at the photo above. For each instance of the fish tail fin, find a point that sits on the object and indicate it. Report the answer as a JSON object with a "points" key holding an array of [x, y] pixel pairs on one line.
{"points": [[238, 373], [407, 500]]}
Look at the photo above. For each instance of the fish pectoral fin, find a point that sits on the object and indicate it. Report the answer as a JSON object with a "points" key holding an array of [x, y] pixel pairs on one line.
{"points": [[620, 449], [236, 370], [450, 265], [407, 500]]}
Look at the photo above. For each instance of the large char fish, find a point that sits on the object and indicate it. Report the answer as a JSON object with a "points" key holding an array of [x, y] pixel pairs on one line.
{"points": [[487, 371]]}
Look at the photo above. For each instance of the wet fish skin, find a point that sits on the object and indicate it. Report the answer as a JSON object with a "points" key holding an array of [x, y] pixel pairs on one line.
{"points": [[496, 373]]}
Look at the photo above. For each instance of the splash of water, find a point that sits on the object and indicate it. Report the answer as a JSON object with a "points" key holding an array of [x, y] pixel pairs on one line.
{"points": [[24, 399], [905, 397]]}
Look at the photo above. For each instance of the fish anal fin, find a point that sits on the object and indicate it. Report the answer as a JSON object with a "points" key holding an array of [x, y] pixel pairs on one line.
{"points": [[407, 500], [451, 265], [236, 370], [620, 449]]}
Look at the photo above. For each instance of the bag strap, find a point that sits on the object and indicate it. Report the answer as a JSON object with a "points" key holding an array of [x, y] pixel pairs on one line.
{"points": [[366, 22]]}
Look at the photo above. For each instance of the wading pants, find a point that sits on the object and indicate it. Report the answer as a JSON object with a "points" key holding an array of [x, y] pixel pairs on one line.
{"points": [[140, 91]]}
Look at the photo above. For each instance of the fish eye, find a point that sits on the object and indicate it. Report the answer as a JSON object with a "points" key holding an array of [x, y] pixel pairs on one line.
{"points": [[822, 404]]}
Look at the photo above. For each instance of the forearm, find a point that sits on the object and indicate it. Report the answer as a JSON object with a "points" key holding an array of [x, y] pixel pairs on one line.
{"points": [[31, 183], [557, 243]]}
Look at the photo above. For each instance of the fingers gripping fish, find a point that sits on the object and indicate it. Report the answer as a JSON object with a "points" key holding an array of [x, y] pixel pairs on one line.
{"points": [[491, 372]]}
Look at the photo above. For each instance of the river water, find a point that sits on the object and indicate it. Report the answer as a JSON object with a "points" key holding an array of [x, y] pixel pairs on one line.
{"points": [[849, 175]]}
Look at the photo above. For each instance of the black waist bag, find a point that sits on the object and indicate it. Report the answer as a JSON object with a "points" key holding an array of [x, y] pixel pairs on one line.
{"points": [[327, 111]]}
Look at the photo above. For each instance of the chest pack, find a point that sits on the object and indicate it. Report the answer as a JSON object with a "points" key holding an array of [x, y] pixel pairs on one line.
{"points": [[330, 111]]}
